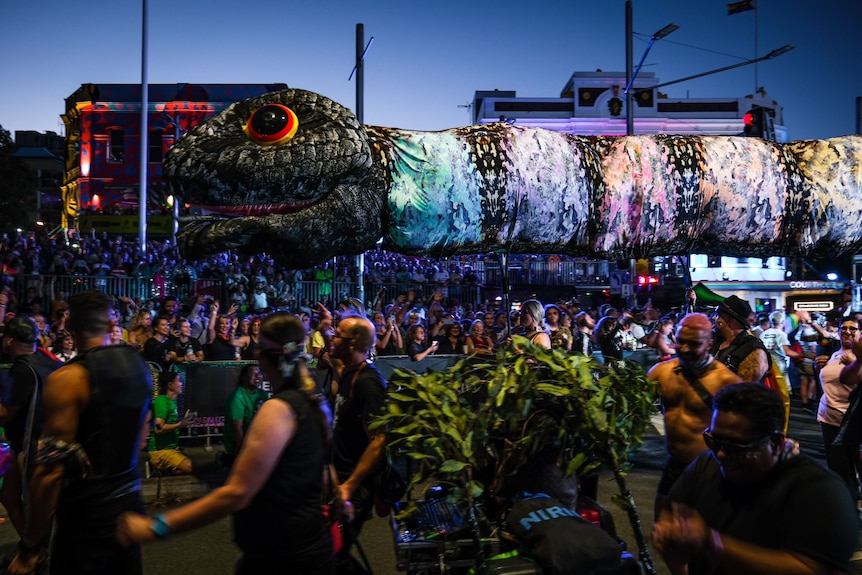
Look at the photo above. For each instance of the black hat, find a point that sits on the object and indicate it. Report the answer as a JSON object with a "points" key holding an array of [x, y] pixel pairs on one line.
{"points": [[22, 329], [737, 308]]}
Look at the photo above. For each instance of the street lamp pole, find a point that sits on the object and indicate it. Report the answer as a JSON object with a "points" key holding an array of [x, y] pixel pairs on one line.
{"points": [[630, 76]]}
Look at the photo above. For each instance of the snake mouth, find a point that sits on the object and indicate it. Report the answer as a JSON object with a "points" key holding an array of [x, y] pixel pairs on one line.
{"points": [[252, 210]]}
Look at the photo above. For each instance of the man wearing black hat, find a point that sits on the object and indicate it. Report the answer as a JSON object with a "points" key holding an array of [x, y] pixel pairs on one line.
{"points": [[742, 352], [30, 366]]}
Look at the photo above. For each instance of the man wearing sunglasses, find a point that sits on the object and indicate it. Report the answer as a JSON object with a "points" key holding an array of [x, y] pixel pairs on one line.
{"points": [[752, 504]]}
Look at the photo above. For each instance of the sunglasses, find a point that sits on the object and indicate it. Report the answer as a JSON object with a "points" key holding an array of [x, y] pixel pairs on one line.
{"points": [[732, 449]]}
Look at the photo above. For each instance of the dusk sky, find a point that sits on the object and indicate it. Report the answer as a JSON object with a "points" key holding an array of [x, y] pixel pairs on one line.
{"points": [[428, 58]]}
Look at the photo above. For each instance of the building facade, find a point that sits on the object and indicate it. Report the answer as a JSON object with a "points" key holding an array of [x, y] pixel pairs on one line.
{"points": [[593, 104], [43, 153], [101, 180]]}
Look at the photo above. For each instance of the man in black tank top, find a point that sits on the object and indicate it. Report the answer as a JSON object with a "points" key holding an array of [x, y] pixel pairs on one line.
{"points": [[740, 351], [95, 417]]}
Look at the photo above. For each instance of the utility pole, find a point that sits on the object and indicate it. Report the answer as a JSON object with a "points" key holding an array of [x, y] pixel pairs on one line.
{"points": [[359, 70], [630, 120], [145, 108]]}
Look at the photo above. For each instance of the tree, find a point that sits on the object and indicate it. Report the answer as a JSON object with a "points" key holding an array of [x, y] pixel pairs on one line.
{"points": [[18, 186]]}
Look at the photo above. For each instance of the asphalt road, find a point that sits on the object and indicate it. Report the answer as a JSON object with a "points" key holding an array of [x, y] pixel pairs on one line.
{"points": [[210, 551]]}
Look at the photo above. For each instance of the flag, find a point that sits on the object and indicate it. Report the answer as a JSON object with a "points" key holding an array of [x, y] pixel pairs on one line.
{"points": [[742, 6]]}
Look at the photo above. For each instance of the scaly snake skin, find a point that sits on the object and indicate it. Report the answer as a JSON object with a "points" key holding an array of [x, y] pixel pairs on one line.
{"points": [[337, 187]]}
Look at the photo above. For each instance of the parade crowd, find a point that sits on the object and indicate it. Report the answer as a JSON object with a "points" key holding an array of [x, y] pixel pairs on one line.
{"points": [[734, 495]]}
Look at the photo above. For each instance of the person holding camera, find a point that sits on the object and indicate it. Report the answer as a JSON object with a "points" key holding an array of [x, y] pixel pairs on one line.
{"points": [[165, 454], [417, 348]]}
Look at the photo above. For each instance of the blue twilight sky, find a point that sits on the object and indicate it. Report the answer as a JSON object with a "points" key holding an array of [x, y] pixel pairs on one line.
{"points": [[428, 58]]}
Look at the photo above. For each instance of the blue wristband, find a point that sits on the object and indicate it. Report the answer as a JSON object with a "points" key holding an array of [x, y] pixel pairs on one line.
{"points": [[160, 526]]}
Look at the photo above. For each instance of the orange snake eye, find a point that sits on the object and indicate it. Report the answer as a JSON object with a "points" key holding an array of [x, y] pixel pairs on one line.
{"points": [[271, 124]]}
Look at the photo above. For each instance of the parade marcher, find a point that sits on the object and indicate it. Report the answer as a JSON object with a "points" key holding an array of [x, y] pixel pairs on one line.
{"points": [[357, 451], [687, 385], [276, 484], [86, 466], [738, 349], [745, 505], [25, 381]]}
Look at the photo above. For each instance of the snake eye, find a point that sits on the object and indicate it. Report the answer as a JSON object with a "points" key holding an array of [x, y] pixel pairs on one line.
{"points": [[271, 124]]}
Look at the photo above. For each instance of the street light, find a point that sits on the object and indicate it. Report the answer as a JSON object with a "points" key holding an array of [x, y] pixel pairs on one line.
{"points": [[774, 54], [630, 77]]}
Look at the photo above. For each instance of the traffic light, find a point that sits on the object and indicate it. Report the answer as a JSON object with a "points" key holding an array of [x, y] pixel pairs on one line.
{"points": [[759, 123], [754, 122]]}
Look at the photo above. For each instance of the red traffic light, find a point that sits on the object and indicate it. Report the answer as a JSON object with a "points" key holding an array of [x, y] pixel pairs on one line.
{"points": [[755, 123]]}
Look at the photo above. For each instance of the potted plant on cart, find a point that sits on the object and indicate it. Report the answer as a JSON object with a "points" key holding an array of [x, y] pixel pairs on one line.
{"points": [[456, 425]]}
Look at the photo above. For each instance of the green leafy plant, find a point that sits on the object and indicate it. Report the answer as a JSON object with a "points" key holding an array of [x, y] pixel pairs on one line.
{"points": [[479, 422]]}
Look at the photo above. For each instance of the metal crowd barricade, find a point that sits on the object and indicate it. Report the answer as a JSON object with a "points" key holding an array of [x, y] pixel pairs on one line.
{"points": [[208, 385], [120, 286]]}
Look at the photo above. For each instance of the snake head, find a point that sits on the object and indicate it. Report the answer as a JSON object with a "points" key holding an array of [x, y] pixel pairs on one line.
{"points": [[288, 172]]}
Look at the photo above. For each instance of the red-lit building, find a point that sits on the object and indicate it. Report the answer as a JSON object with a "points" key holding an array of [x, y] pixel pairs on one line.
{"points": [[104, 145]]}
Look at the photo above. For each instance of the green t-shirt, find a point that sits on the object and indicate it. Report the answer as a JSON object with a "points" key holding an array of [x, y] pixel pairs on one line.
{"points": [[165, 408], [242, 404]]}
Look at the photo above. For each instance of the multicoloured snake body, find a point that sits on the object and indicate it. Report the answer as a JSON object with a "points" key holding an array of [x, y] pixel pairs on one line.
{"points": [[334, 187]]}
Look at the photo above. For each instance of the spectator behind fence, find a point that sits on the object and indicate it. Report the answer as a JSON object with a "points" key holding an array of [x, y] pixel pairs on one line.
{"points": [[276, 484], [156, 348], [583, 336], [64, 348], [417, 348], [388, 340], [453, 339], [240, 408], [165, 454], [184, 348], [220, 342], [141, 329], [250, 343], [116, 336], [606, 336], [477, 341], [561, 336]]}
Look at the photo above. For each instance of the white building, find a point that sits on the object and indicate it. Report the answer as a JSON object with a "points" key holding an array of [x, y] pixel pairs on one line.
{"points": [[593, 104]]}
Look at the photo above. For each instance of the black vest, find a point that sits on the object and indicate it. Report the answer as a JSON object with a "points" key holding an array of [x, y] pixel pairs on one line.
{"points": [[740, 348], [121, 387]]}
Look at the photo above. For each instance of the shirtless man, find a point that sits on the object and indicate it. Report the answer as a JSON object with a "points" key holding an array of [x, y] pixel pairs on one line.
{"points": [[687, 406]]}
